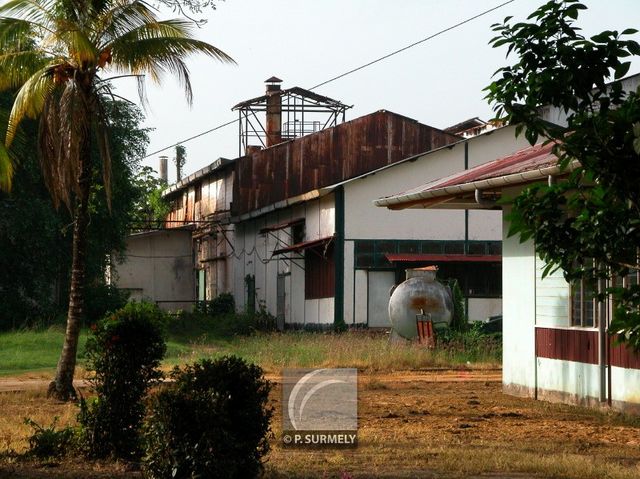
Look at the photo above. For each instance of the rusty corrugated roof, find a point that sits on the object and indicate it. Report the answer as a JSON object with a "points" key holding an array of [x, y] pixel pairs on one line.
{"points": [[328, 157], [519, 167]]}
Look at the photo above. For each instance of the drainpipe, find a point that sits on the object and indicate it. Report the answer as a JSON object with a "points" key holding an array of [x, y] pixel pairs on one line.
{"points": [[482, 201], [338, 255], [466, 233], [602, 342]]}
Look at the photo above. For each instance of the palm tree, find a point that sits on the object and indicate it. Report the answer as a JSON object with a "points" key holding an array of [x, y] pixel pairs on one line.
{"points": [[56, 53]]}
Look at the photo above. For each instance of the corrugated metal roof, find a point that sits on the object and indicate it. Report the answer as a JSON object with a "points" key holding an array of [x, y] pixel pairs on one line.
{"points": [[527, 165], [348, 150], [198, 175]]}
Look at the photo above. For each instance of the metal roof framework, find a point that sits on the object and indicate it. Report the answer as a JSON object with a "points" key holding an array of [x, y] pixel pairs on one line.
{"points": [[303, 112]]}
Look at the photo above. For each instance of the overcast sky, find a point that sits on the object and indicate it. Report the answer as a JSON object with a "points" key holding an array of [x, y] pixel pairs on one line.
{"points": [[305, 42]]}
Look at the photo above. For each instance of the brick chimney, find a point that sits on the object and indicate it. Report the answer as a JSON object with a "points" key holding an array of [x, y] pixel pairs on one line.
{"points": [[274, 111]]}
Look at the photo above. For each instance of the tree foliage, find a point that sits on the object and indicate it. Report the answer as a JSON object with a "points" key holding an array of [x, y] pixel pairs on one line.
{"points": [[58, 55], [33, 281], [150, 208], [586, 224]]}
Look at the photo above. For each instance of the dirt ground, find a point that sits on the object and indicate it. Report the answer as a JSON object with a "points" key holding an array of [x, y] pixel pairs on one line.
{"points": [[411, 424]]}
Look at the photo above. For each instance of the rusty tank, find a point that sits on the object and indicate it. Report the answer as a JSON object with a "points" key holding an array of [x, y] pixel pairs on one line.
{"points": [[420, 294]]}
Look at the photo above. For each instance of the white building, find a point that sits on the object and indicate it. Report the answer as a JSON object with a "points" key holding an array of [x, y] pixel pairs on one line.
{"points": [[326, 253], [555, 340]]}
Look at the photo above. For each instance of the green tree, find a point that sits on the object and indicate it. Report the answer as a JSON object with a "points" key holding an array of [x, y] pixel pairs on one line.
{"points": [[56, 52], [588, 224], [150, 209], [34, 282]]}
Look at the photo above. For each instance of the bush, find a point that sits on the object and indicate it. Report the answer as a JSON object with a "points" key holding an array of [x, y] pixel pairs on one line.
{"points": [[212, 422], [221, 304], [124, 353], [103, 299], [195, 325], [48, 442], [458, 317]]}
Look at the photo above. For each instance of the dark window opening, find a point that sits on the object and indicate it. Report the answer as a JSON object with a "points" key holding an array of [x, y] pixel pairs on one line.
{"points": [[297, 233], [319, 272]]}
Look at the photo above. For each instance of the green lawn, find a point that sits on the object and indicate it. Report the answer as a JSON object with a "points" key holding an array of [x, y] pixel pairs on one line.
{"points": [[28, 351]]}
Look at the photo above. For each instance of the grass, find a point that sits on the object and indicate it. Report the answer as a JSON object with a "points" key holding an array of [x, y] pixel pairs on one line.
{"points": [[30, 351]]}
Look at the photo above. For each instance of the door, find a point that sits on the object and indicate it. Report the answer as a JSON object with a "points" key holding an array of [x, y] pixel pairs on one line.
{"points": [[379, 285], [202, 284]]}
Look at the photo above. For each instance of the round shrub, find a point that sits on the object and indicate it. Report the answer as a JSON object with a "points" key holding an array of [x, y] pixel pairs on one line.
{"points": [[212, 422], [124, 353]]}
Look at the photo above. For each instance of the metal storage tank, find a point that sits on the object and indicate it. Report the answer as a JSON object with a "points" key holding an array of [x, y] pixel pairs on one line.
{"points": [[419, 294]]}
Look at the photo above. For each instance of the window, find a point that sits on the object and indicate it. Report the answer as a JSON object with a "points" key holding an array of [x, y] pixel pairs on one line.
{"points": [[583, 305], [198, 192], [297, 233], [319, 272]]}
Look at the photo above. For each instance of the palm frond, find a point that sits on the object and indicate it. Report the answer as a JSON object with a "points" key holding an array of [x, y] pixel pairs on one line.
{"points": [[159, 48], [17, 67], [38, 12], [14, 34], [78, 45], [6, 169], [30, 99], [121, 19]]}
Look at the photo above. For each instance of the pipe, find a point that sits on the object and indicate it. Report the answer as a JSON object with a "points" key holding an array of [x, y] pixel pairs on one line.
{"points": [[602, 340], [399, 201], [482, 201], [551, 180]]}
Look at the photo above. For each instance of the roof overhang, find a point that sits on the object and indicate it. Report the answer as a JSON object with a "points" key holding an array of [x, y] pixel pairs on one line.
{"points": [[198, 175], [281, 226], [304, 245], [481, 187]]}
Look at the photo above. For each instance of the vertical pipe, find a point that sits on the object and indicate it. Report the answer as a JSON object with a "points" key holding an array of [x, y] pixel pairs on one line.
{"points": [[602, 340], [338, 309], [163, 168], [466, 231]]}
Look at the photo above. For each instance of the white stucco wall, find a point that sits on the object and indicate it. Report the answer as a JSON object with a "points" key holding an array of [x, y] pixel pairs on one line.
{"points": [[625, 385], [575, 379], [518, 305], [482, 308], [158, 266], [253, 256]]}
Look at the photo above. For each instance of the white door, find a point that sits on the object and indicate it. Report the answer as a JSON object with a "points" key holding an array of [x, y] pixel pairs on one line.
{"points": [[379, 284]]}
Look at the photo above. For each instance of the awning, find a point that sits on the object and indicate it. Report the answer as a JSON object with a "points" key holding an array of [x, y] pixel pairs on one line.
{"points": [[281, 226], [304, 245], [442, 258]]}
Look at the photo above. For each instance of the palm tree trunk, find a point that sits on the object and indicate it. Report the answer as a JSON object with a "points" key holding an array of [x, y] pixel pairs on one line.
{"points": [[61, 387]]}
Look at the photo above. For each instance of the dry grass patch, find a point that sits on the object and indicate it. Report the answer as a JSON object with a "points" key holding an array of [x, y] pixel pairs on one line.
{"points": [[411, 425]]}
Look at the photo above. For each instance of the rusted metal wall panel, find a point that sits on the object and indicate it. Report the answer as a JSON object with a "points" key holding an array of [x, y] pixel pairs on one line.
{"points": [[567, 344], [622, 356], [214, 197], [330, 156]]}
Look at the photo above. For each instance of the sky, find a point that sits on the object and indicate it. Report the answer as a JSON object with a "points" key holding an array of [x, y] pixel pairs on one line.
{"points": [[305, 42]]}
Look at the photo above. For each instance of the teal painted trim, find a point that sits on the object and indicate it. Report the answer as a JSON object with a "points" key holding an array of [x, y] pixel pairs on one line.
{"points": [[338, 306], [466, 212]]}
